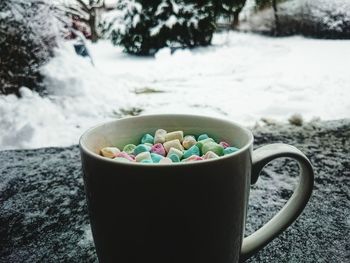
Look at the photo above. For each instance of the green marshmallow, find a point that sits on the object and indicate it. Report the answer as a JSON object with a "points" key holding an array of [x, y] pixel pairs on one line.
{"points": [[229, 150], [202, 142], [214, 147], [147, 138], [174, 158], [129, 148], [203, 137], [156, 157], [194, 150], [141, 148]]}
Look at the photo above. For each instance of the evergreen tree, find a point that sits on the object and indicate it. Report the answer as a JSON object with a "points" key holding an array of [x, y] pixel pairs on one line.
{"points": [[147, 26]]}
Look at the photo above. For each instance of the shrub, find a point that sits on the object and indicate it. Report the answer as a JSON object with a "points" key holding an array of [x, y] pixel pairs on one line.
{"points": [[314, 18], [325, 19], [147, 26], [28, 34]]}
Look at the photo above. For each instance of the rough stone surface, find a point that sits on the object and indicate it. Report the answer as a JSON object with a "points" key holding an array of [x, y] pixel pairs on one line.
{"points": [[43, 213]]}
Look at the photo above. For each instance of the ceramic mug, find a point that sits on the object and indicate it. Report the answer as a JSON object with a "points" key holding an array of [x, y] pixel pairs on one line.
{"points": [[182, 212]]}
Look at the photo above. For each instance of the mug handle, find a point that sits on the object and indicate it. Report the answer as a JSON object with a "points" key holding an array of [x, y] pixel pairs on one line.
{"points": [[292, 208]]}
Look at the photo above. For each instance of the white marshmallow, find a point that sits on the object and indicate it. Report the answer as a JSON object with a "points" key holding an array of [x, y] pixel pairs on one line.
{"points": [[173, 150], [210, 155], [159, 136], [173, 144], [109, 151], [174, 135], [188, 142], [143, 156]]}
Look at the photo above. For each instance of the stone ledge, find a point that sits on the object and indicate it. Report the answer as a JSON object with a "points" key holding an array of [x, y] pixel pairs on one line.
{"points": [[43, 214]]}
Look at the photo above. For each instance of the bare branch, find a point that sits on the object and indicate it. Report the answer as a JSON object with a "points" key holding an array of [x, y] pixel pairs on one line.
{"points": [[98, 4], [84, 6], [80, 13]]}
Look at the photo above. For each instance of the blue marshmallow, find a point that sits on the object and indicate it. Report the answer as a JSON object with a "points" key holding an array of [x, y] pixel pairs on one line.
{"points": [[229, 150], [156, 157], [174, 158], [141, 148], [203, 136], [194, 150], [147, 138]]}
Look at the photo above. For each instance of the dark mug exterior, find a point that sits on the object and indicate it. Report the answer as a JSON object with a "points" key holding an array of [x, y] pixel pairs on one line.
{"points": [[173, 213]]}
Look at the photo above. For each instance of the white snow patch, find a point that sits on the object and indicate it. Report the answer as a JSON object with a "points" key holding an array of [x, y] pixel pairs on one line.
{"points": [[79, 97], [242, 77], [87, 237]]}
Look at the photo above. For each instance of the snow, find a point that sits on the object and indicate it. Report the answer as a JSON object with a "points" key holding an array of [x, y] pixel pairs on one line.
{"points": [[172, 20], [243, 77]]}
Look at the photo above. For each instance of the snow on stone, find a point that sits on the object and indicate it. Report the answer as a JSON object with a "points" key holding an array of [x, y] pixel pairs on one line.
{"points": [[243, 77]]}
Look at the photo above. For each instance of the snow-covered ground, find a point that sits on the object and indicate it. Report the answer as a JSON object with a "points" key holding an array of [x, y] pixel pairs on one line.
{"points": [[243, 77]]}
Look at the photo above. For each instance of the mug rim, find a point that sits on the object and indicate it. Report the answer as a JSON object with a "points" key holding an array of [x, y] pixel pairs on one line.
{"points": [[85, 149]]}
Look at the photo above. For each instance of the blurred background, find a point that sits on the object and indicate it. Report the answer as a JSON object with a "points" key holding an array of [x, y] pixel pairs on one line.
{"points": [[66, 65]]}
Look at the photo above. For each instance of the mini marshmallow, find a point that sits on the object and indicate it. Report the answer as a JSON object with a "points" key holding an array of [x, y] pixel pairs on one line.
{"points": [[141, 148], [202, 142], [147, 138], [174, 143], [125, 155], [224, 144], [129, 148], [146, 161], [179, 135], [165, 160], [213, 147], [121, 159], [175, 151], [192, 158], [188, 141], [203, 137], [210, 155], [158, 149], [159, 136], [143, 156], [229, 150], [174, 158], [194, 150], [156, 157], [109, 152]]}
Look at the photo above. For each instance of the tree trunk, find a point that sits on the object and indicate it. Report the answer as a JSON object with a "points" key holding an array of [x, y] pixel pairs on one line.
{"points": [[235, 21], [277, 22], [92, 24]]}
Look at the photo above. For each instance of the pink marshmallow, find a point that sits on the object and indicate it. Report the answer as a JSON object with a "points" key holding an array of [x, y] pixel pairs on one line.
{"points": [[158, 148], [193, 158], [224, 144], [125, 155]]}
